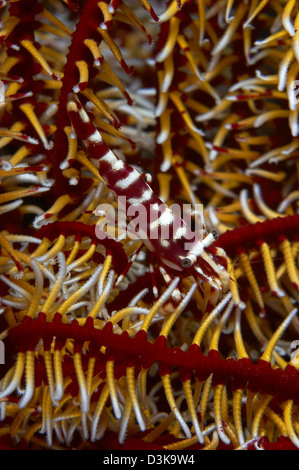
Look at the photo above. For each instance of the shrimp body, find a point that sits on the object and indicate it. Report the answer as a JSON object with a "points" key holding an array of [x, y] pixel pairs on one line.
{"points": [[181, 250]]}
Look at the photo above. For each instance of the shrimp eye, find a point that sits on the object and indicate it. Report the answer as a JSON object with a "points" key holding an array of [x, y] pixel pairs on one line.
{"points": [[186, 262], [215, 234]]}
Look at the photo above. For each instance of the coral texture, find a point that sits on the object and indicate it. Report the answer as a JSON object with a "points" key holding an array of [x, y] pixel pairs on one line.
{"points": [[108, 343]]}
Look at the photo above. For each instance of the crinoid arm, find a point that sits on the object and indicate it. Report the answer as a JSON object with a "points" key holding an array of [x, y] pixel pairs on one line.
{"points": [[123, 324]]}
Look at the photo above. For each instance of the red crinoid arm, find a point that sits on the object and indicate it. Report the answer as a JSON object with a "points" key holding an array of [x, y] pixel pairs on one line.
{"points": [[260, 376], [84, 61]]}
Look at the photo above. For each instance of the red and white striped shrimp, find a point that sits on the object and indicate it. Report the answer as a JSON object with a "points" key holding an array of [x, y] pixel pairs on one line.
{"points": [[201, 260]]}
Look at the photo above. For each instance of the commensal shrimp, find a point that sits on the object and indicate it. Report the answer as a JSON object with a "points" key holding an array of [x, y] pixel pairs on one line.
{"points": [[183, 252]]}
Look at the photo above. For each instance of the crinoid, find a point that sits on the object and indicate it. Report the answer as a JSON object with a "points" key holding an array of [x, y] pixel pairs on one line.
{"points": [[113, 338]]}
